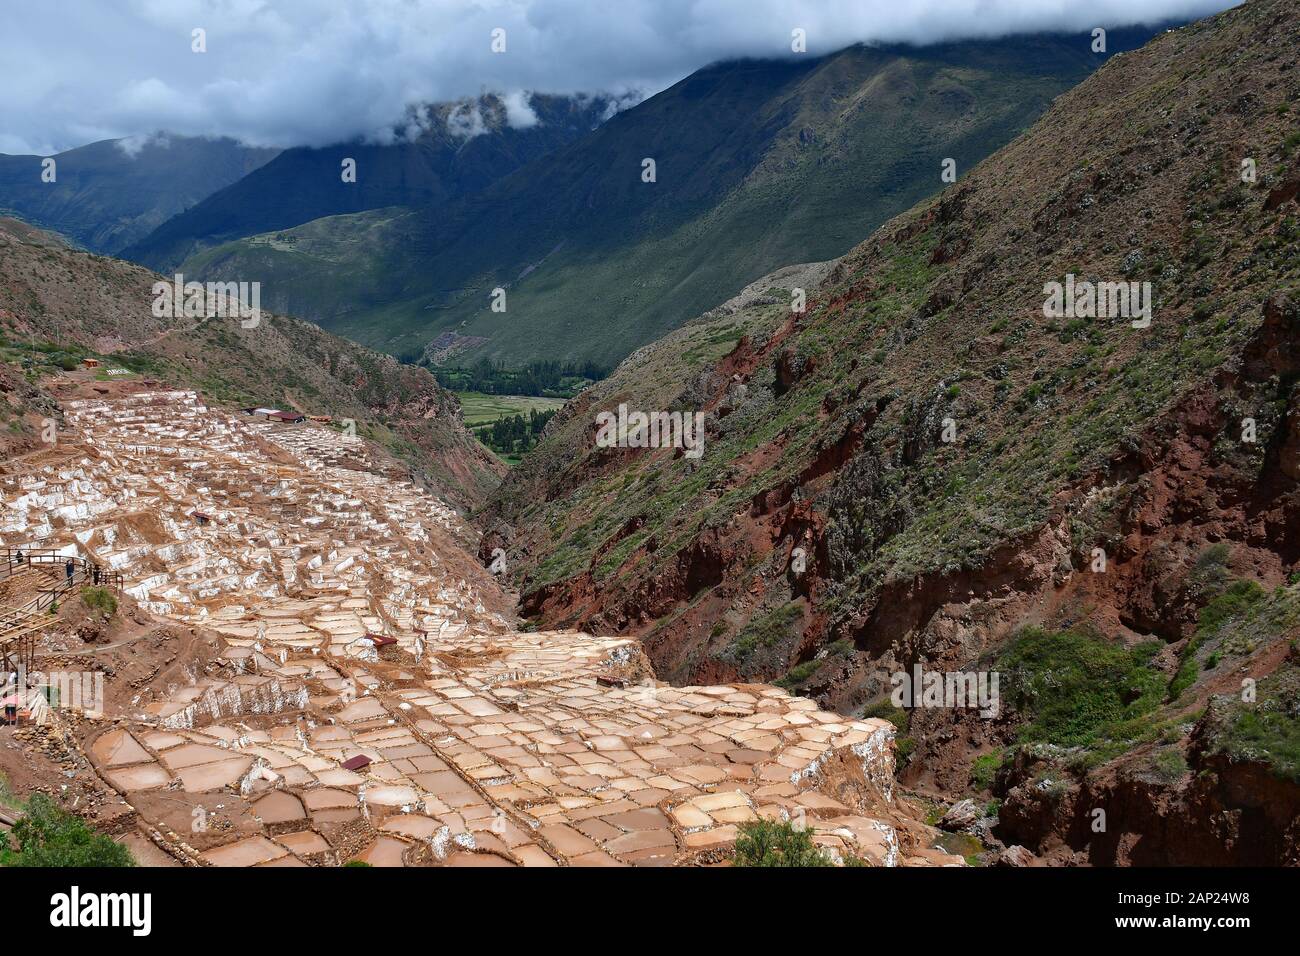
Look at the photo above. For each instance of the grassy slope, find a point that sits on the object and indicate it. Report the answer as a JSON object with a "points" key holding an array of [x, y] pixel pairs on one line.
{"points": [[759, 164], [939, 315], [1082, 700]]}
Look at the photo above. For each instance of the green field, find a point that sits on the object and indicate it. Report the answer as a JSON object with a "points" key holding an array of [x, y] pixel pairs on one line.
{"points": [[479, 409]]}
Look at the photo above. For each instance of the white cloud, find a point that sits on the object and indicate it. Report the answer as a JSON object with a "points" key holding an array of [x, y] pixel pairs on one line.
{"points": [[132, 145], [519, 111], [623, 100], [287, 72], [466, 121]]}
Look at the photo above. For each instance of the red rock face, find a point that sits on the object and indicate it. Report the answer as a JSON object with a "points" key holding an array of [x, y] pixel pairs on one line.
{"points": [[1220, 813], [1178, 495], [1283, 194]]}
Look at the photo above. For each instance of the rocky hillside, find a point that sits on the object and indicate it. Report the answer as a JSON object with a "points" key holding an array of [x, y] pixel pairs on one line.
{"points": [[59, 306], [927, 467], [757, 164]]}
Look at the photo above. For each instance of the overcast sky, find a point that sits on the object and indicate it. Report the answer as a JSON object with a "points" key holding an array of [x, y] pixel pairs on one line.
{"points": [[293, 72]]}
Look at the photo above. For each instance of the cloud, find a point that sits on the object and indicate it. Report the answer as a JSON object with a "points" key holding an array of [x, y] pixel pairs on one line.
{"points": [[466, 121], [132, 145], [623, 100], [302, 72], [519, 111]]}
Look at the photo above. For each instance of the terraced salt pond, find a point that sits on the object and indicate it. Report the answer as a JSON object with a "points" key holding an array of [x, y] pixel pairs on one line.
{"points": [[367, 703]]}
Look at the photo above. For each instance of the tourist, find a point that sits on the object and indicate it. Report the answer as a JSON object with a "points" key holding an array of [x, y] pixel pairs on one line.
{"points": [[70, 569]]}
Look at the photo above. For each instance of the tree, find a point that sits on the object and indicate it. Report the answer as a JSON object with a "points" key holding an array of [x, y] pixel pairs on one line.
{"points": [[47, 835]]}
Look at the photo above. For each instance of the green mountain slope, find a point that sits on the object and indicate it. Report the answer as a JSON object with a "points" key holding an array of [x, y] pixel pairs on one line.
{"points": [[109, 194], [758, 163], [945, 457], [430, 167]]}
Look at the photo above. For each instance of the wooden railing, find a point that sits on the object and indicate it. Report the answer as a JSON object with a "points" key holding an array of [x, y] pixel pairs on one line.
{"points": [[19, 625], [13, 560], [27, 617]]}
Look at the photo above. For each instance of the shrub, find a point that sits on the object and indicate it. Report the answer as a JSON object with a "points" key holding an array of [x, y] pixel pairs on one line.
{"points": [[800, 673], [1236, 600], [1170, 765], [1232, 602], [765, 631], [47, 835], [765, 843], [1211, 567], [99, 599], [985, 769], [1267, 730], [1077, 686]]}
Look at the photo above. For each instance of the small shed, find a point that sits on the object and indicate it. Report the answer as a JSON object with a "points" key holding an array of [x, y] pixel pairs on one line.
{"points": [[291, 417], [90, 363], [381, 640]]}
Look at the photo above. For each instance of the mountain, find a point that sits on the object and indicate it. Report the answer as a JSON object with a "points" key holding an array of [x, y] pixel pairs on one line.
{"points": [[26, 232], [935, 466], [60, 306], [453, 149], [757, 164], [109, 194]]}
